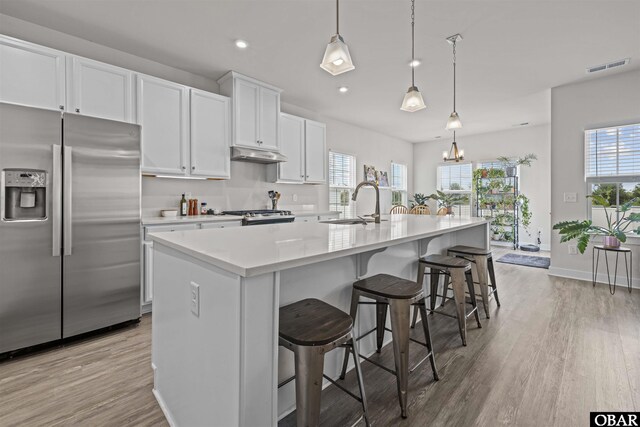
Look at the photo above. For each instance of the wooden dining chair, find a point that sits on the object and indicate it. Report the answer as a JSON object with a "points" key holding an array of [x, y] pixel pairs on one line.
{"points": [[399, 209], [441, 212], [420, 210]]}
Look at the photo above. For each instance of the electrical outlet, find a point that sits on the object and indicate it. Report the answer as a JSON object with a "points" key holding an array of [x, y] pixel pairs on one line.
{"points": [[573, 250], [295, 197], [570, 197], [195, 299]]}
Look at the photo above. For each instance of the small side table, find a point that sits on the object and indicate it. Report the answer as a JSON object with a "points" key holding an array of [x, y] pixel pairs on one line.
{"points": [[627, 265]]}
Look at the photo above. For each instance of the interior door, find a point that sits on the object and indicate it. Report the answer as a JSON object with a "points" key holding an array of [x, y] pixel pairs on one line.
{"points": [[292, 146], [30, 266], [99, 90], [101, 228], [315, 152], [210, 139]]}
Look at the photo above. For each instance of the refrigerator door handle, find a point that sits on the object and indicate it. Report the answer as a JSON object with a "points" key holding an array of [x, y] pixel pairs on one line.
{"points": [[67, 200], [56, 189]]}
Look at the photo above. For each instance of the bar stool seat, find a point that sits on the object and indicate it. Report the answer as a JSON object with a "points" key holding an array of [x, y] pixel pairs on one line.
{"points": [[469, 250], [312, 322], [395, 295], [483, 260], [459, 270], [310, 328], [387, 286]]}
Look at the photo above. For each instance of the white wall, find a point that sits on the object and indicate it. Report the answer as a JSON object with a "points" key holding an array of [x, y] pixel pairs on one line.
{"points": [[606, 101], [534, 180], [248, 186]]}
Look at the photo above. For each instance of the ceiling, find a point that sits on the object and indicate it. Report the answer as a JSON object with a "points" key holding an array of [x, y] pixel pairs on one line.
{"points": [[512, 53]]}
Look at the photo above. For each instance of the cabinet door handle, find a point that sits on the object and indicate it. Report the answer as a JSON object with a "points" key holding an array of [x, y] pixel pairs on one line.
{"points": [[77, 110], [184, 168], [193, 168], [61, 107]]}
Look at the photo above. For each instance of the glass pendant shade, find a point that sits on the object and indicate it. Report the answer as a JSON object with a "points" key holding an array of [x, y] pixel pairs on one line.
{"points": [[412, 100], [454, 121], [337, 59]]}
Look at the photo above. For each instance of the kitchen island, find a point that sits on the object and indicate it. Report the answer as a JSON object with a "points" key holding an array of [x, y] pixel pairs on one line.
{"points": [[217, 292]]}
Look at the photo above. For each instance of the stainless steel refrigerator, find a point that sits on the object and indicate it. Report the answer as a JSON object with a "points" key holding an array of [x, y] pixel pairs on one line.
{"points": [[69, 225]]}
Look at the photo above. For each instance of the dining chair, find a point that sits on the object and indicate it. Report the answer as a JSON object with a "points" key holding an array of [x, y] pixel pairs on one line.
{"points": [[420, 210], [399, 209]]}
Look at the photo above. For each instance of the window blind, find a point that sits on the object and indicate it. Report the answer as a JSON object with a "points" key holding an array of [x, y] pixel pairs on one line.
{"points": [[398, 176], [612, 154], [455, 177], [342, 169]]}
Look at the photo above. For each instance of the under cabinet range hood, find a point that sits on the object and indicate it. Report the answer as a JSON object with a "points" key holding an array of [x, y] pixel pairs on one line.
{"points": [[256, 156]]}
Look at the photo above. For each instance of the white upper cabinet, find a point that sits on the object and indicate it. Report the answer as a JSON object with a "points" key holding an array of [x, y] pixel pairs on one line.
{"points": [[269, 117], [99, 90], [210, 135], [292, 146], [304, 143], [315, 152], [256, 111], [31, 75], [163, 112]]}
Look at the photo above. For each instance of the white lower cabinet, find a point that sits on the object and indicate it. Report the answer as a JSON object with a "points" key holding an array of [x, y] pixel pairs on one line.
{"points": [[147, 251], [225, 224], [310, 218]]}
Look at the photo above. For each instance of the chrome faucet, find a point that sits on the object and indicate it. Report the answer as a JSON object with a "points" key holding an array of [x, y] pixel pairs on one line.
{"points": [[376, 216]]}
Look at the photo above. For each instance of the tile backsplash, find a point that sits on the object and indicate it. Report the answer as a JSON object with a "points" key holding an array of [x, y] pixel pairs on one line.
{"points": [[247, 189]]}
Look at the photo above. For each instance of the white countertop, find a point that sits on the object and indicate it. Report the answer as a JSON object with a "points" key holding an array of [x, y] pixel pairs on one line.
{"points": [[161, 220], [314, 213], [249, 251]]}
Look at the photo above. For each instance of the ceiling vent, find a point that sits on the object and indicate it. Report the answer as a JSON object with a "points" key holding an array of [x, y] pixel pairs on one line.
{"points": [[610, 65]]}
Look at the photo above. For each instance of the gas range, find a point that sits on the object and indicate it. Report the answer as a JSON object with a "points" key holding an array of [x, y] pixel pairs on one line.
{"points": [[265, 216]]}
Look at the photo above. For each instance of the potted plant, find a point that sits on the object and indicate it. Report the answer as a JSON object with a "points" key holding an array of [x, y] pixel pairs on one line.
{"points": [[448, 200], [419, 199], [613, 233], [511, 165]]}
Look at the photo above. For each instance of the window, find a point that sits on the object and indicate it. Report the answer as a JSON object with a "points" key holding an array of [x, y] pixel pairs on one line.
{"points": [[342, 178], [612, 166], [398, 184], [457, 179]]}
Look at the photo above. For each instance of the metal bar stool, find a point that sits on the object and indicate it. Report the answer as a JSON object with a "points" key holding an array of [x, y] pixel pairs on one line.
{"points": [[310, 328], [483, 261], [459, 271], [398, 295]]}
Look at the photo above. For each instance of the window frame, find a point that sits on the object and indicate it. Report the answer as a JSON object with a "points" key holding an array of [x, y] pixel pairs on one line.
{"points": [[616, 180], [404, 189], [468, 193], [350, 188]]}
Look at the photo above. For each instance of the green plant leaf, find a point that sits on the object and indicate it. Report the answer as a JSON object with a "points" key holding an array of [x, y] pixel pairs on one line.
{"points": [[583, 242], [634, 216], [599, 200], [620, 235]]}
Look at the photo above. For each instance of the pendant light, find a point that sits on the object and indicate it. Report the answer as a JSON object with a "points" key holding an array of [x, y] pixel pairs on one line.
{"points": [[413, 98], [454, 155], [454, 120], [337, 59]]}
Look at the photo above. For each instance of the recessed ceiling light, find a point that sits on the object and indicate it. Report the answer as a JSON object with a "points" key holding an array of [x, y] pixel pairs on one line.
{"points": [[242, 44], [414, 63], [343, 89]]}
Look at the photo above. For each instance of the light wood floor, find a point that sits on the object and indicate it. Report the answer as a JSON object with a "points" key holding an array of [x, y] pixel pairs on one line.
{"points": [[555, 350]]}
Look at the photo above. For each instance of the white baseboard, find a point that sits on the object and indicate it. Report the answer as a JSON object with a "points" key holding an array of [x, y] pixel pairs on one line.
{"points": [[586, 276], [145, 308], [164, 408]]}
